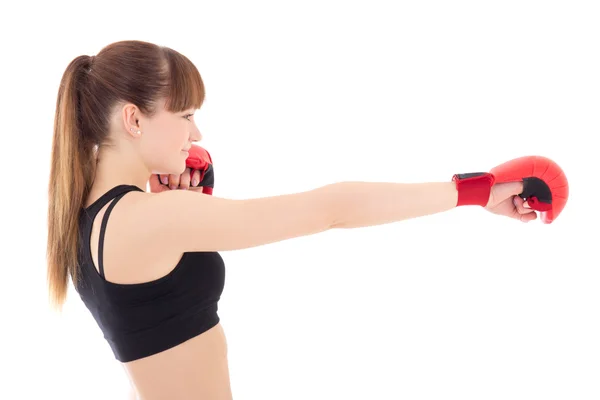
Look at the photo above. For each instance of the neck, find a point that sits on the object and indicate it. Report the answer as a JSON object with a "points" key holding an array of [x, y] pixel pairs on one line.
{"points": [[115, 167]]}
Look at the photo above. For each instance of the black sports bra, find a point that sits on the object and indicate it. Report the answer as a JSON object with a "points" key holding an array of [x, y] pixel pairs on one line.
{"points": [[142, 319]]}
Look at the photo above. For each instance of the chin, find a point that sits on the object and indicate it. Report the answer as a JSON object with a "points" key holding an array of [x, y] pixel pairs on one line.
{"points": [[173, 169], [181, 170]]}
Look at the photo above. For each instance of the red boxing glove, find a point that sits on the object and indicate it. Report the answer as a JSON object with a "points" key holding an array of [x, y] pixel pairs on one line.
{"points": [[199, 159], [545, 186]]}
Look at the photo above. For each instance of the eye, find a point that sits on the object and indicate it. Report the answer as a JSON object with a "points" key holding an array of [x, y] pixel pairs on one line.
{"points": [[187, 116]]}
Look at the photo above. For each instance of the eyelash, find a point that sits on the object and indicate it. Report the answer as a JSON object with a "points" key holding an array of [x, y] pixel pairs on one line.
{"points": [[188, 115]]}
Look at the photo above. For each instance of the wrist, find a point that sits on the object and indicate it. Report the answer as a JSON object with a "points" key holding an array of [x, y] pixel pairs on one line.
{"points": [[473, 188]]}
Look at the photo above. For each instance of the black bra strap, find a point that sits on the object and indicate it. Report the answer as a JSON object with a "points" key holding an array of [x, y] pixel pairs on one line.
{"points": [[102, 232]]}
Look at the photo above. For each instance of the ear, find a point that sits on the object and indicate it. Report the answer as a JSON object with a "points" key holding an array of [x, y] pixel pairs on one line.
{"points": [[130, 115]]}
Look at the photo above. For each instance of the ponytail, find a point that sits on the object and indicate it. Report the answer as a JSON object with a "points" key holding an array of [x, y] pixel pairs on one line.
{"points": [[71, 174]]}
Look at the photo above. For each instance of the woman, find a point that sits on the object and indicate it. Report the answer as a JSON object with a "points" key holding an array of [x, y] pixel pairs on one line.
{"points": [[152, 277]]}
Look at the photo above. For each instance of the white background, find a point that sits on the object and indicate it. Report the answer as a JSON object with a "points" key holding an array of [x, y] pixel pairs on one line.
{"points": [[460, 305]]}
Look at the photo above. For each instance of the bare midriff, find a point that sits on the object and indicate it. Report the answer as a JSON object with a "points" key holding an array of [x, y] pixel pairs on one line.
{"points": [[196, 369]]}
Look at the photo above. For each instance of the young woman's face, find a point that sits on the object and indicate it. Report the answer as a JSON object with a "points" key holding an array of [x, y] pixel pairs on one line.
{"points": [[165, 138]]}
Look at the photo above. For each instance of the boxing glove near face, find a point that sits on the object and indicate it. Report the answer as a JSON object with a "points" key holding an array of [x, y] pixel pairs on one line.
{"points": [[545, 185], [200, 159]]}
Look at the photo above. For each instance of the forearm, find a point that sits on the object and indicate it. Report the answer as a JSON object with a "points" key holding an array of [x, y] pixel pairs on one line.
{"points": [[360, 204]]}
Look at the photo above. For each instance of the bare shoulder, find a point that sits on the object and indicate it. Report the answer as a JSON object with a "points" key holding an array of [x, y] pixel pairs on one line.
{"points": [[148, 233], [180, 220]]}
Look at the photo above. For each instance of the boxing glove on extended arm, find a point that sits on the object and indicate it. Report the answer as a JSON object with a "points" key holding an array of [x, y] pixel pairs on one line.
{"points": [[545, 185]]}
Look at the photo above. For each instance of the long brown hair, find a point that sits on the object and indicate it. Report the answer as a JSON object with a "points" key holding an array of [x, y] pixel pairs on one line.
{"points": [[133, 71]]}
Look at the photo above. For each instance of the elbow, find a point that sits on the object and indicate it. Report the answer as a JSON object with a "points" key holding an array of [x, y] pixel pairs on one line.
{"points": [[337, 205]]}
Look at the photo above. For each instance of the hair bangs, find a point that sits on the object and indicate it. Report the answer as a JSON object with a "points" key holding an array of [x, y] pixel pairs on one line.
{"points": [[186, 88]]}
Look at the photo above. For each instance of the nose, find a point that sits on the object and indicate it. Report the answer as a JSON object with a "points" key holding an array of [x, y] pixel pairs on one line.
{"points": [[195, 135]]}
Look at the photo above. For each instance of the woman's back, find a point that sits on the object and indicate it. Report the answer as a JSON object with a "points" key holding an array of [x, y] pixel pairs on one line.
{"points": [[158, 311]]}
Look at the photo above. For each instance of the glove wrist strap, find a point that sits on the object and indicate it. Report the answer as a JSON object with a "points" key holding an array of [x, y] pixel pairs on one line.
{"points": [[473, 188]]}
